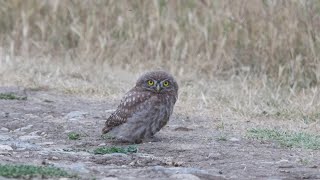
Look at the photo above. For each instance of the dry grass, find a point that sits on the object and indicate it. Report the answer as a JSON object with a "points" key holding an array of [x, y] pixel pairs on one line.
{"points": [[243, 60]]}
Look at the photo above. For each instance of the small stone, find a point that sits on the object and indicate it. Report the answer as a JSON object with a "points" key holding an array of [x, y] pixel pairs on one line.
{"points": [[31, 116], [109, 178], [3, 129], [48, 117], [76, 115], [4, 137], [282, 161], [233, 139], [102, 144], [77, 167], [82, 153], [21, 146], [184, 177], [176, 164], [34, 133], [117, 156], [5, 148], [284, 171], [26, 128], [54, 158], [5, 114], [214, 155], [44, 153], [28, 137], [46, 143]]}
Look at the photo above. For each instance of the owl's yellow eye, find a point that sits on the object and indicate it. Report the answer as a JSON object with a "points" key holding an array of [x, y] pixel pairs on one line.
{"points": [[166, 83], [150, 82]]}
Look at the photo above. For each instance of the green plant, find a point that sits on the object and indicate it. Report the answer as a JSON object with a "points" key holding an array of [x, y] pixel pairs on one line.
{"points": [[74, 136], [19, 171], [114, 149], [222, 138], [286, 138], [10, 96]]}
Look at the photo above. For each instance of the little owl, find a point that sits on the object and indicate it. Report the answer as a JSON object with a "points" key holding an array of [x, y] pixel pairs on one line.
{"points": [[145, 109]]}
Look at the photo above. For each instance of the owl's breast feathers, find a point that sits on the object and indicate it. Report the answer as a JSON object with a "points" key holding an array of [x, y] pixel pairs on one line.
{"points": [[129, 104]]}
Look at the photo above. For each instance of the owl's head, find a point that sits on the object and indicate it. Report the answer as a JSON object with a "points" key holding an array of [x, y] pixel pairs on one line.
{"points": [[158, 82]]}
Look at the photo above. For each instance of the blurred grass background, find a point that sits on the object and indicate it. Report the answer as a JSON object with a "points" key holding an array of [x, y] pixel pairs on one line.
{"points": [[277, 39], [254, 57]]}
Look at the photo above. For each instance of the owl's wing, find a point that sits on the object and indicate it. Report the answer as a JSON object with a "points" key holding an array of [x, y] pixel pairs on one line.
{"points": [[127, 108]]}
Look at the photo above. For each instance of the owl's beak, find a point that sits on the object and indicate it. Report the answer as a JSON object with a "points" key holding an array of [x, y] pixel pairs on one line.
{"points": [[158, 87]]}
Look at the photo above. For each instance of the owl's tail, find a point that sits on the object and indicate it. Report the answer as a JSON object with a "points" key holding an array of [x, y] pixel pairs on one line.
{"points": [[106, 129]]}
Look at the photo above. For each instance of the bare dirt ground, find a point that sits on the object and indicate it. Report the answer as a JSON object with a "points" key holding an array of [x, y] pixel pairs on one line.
{"points": [[187, 148]]}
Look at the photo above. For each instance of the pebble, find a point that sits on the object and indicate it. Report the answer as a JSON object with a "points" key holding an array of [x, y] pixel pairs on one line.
{"points": [[117, 155], [179, 170], [54, 158], [76, 115], [34, 133], [46, 143], [184, 177], [5, 148], [4, 137], [44, 153], [233, 139], [28, 137], [82, 153], [214, 155], [26, 128], [3, 129], [77, 167], [31, 116], [20, 145], [5, 114]]}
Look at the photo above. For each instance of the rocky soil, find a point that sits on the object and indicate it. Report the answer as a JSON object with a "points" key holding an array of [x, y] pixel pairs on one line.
{"points": [[34, 130]]}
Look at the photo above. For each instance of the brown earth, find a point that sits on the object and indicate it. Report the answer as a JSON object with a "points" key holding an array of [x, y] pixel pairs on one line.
{"points": [[187, 148]]}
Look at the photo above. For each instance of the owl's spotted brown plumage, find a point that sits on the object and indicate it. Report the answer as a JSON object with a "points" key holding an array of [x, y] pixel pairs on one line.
{"points": [[145, 109]]}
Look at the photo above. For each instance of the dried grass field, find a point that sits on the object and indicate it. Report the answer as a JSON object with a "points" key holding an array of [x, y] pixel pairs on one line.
{"points": [[248, 73]]}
